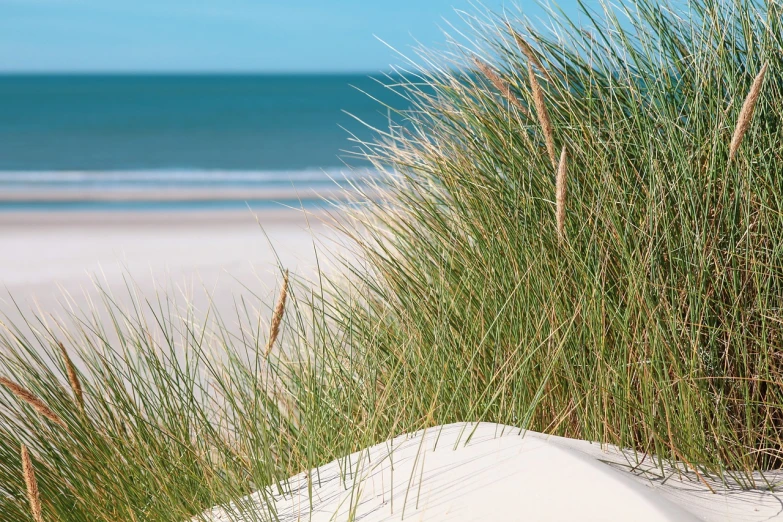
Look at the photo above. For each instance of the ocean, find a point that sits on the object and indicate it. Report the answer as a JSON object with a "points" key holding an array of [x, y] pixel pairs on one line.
{"points": [[179, 141]]}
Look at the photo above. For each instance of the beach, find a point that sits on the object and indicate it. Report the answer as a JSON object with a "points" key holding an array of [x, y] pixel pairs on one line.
{"points": [[170, 179], [58, 261], [532, 275]]}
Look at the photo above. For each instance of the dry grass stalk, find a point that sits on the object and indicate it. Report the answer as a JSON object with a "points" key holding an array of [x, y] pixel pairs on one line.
{"points": [[32, 485], [26, 396], [277, 316], [500, 85], [543, 115], [73, 378], [746, 113], [529, 52], [560, 194]]}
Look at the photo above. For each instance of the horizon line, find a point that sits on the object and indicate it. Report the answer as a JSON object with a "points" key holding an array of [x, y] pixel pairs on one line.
{"points": [[194, 72]]}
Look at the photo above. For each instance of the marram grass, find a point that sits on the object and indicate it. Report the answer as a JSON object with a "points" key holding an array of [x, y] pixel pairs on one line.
{"points": [[640, 307]]}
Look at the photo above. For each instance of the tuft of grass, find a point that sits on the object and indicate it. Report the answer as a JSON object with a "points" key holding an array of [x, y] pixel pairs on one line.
{"points": [[657, 324]]}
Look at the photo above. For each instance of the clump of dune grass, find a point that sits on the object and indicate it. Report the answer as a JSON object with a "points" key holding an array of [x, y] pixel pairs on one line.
{"points": [[657, 324], [639, 306]]}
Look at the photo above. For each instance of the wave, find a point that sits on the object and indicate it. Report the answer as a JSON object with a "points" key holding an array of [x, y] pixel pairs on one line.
{"points": [[181, 189], [182, 177]]}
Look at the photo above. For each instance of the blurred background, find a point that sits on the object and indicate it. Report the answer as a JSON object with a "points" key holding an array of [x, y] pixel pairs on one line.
{"points": [[156, 105], [150, 138]]}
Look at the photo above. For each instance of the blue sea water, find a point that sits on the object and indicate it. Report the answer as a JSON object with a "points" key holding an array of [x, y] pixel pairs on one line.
{"points": [[95, 134]]}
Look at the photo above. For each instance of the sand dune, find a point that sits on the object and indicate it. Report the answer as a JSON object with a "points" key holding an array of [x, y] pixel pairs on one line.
{"points": [[466, 472]]}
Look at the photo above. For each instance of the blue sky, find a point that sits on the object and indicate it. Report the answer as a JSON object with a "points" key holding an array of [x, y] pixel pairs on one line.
{"points": [[220, 35]]}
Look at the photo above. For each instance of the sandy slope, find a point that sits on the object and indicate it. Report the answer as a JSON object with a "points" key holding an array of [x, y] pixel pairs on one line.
{"points": [[485, 472]]}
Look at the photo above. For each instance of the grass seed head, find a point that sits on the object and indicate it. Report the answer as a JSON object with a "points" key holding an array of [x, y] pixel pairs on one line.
{"points": [[500, 85], [31, 484], [27, 396], [543, 115], [277, 315], [746, 113], [528, 52], [73, 378]]}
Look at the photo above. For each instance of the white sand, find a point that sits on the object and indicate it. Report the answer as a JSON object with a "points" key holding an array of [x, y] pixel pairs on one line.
{"points": [[500, 475], [51, 261]]}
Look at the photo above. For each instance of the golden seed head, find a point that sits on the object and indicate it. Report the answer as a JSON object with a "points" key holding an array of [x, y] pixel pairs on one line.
{"points": [[277, 315], [746, 113], [500, 85], [73, 378], [32, 485], [543, 115], [27, 396], [528, 51]]}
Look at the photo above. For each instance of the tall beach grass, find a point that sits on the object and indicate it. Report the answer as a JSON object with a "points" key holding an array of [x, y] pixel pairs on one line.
{"points": [[579, 232]]}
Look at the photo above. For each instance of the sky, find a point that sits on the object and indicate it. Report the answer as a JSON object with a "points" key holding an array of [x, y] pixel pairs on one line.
{"points": [[222, 35]]}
